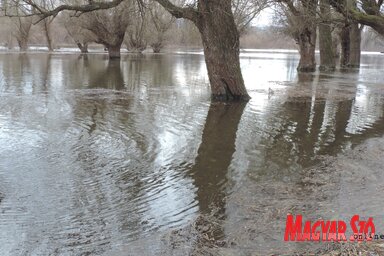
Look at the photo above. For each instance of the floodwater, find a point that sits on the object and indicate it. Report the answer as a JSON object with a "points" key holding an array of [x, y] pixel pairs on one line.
{"points": [[103, 157]]}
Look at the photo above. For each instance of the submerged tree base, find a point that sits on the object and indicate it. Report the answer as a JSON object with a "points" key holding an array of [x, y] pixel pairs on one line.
{"points": [[327, 68], [226, 97], [306, 69], [353, 66]]}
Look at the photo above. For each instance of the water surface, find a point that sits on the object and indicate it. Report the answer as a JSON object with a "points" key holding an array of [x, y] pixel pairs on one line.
{"points": [[100, 156]]}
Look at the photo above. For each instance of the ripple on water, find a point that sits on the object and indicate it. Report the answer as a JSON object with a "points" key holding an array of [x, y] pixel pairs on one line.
{"points": [[83, 171]]}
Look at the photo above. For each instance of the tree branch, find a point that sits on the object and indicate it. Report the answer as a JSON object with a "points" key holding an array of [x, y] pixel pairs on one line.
{"points": [[43, 13], [374, 21], [189, 13], [291, 7]]}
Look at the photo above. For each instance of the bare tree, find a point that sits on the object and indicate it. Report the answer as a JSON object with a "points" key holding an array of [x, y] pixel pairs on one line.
{"points": [[46, 24], [21, 22], [245, 11], [136, 38], [302, 24], [21, 31], [82, 37], [108, 26], [213, 18], [161, 23]]}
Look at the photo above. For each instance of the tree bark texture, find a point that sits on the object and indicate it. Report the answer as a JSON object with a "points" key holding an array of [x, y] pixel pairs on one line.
{"points": [[327, 58], [221, 50], [345, 46], [306, 37], [307, 47], [350, 38], [355, 45], [114, 51]]}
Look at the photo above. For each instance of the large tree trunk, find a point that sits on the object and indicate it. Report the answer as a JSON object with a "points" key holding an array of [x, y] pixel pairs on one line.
{"points": [[114, 51], [221, 50], [215, 21], [113, 46], [350, 38], [306, 35], [327, 59], [355, 43], [345, 46], [307, 46]]}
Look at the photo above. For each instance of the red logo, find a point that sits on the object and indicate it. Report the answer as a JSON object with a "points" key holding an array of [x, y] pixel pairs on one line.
{"points": [[328, 230]]}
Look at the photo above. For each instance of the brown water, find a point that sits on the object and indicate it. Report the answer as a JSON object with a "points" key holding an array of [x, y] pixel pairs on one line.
{"points": [[103, 157]]}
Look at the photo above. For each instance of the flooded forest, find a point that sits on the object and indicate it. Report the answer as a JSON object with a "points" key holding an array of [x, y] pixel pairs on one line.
{"points": [[191, 127]]}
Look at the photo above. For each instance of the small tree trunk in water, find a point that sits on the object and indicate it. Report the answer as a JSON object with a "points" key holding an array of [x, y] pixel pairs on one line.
{"points": [[221, 50], [48, 35], [327, 59], [156, 47], [345, 46], [23, 44], [9, 43], [355, 43], [83, 47]]}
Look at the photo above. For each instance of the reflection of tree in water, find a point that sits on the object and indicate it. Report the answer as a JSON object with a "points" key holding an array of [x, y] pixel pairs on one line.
{"points": [[214, 157], [135, 71], [110, 77], [115, 143], [129, 131], [15, 72], [291, 65], [19, 76], [285, 175], [46, 71], [215, 153], [312, 125], [105, 186]]}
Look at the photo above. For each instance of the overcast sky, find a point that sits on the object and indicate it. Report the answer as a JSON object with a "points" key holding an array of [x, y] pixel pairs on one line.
{"points": [[265, 18]]}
